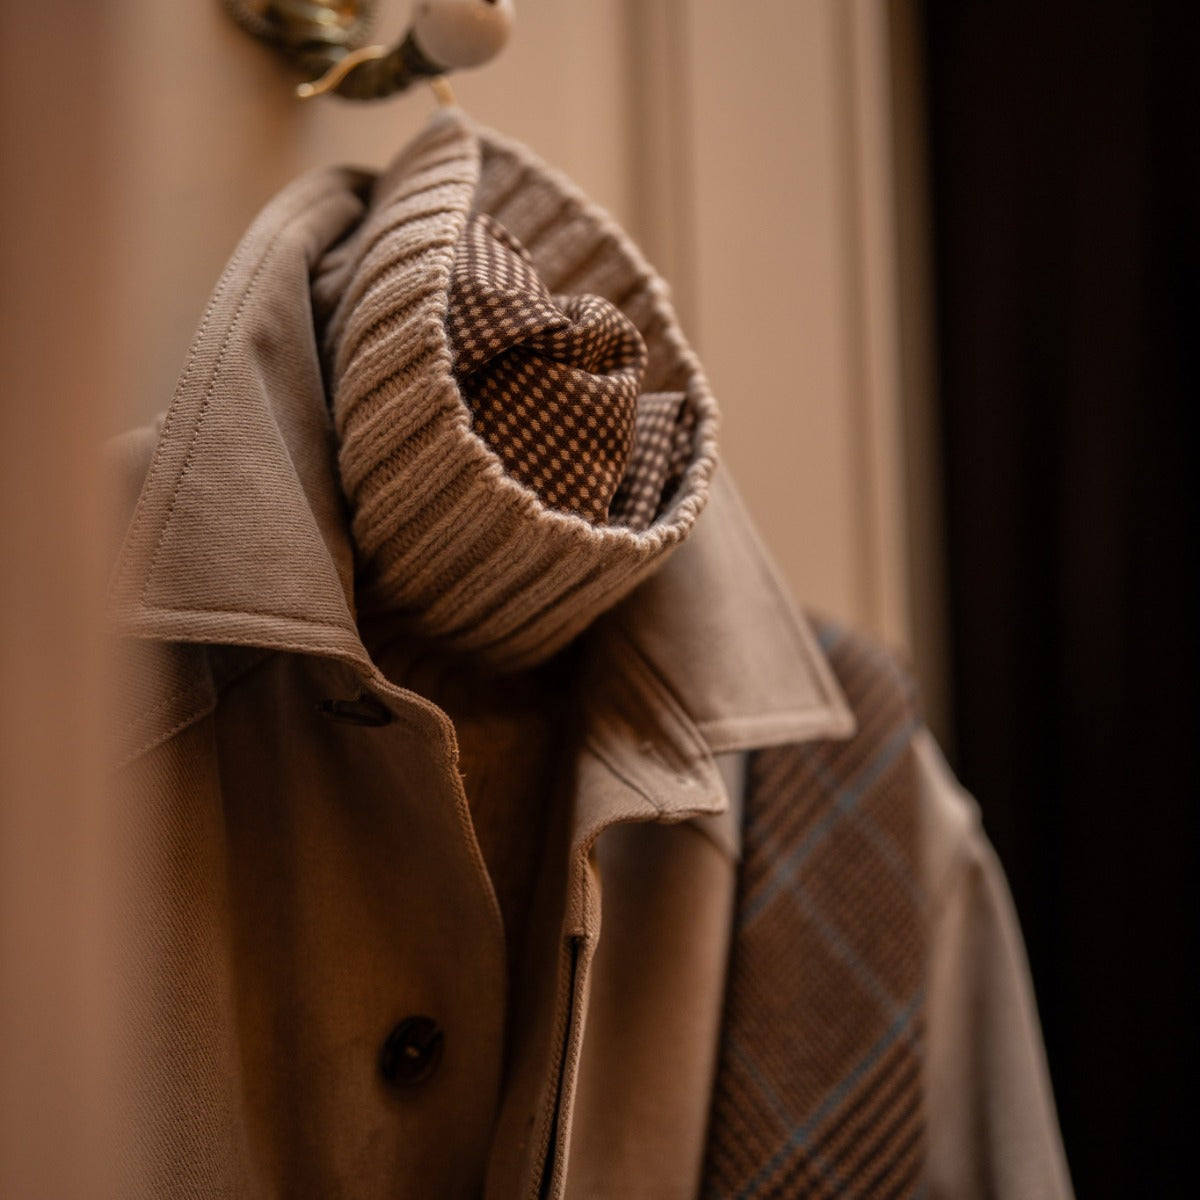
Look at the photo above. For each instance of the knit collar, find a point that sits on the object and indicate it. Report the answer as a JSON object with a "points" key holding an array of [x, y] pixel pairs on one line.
{"points": [[240, 534], [449, 541]]}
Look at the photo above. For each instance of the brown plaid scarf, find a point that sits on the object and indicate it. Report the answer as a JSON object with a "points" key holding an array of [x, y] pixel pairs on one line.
{"points": [[553, 386], [818, 1090]]}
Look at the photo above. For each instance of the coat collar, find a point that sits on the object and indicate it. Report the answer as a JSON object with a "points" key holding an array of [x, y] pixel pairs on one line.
{"points": [[716, 629], [240, 533]]}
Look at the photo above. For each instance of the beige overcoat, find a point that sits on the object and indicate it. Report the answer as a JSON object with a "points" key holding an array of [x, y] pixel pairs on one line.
{"points": [[327, 994]]}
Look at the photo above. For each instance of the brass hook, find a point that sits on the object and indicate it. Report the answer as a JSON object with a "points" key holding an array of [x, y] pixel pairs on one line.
{"points": [[373, 72], [320, 37], [439, 84], [329, 81]]}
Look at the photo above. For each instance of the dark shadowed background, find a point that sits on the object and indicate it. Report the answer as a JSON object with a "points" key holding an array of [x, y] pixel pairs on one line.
{"points": [[1065, 145]]}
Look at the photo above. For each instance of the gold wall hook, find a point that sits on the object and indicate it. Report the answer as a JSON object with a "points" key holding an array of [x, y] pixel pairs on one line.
{"points": [[322, 39], [330, 80]]}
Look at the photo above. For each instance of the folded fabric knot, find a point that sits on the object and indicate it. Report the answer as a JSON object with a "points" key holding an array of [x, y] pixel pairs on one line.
{"points": [[552, 382]]}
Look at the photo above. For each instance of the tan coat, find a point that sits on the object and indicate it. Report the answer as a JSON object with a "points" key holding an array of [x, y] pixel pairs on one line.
{"points": [[322, 811]]}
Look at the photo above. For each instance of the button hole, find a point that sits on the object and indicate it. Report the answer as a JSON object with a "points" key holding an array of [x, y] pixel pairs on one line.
{"points": [[364, 709]]}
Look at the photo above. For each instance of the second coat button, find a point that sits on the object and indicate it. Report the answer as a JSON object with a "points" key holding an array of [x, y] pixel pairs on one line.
{"points": [[412, 1051]]}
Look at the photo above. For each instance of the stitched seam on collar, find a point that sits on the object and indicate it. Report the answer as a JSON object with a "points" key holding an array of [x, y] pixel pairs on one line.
{"points": [[298, 618], [193, 354], [206, 403], [218, 294], [820, 721], [627, 779], [131, 629]]}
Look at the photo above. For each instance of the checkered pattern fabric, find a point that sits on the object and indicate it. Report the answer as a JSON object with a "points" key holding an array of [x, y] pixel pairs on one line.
{"points": [[552, 383], [662, 445], [818, 1090]]}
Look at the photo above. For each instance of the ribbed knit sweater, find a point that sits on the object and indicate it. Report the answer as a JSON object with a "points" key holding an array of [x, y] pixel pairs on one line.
{"points": [[449, 539]]}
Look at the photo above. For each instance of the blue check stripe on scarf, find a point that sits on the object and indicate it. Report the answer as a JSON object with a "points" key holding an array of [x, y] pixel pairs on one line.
{"points": [[818, 1089]]}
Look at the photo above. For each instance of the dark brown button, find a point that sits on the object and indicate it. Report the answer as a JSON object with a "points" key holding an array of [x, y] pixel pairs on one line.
{"points": [[412, 1051], [364, 709]]}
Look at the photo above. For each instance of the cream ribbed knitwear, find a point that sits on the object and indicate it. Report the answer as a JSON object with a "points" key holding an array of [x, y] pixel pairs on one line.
{"points": [[447, 541]]}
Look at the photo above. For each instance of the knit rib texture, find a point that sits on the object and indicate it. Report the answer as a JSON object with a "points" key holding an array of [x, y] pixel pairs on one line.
{"points": [[446, 538]]}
